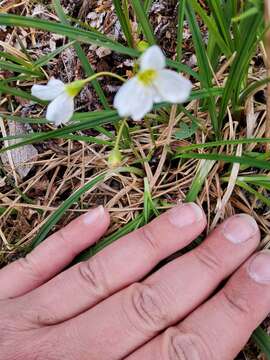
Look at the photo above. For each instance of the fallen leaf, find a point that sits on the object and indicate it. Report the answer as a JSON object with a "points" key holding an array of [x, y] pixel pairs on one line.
{"points": [[19, 159]]}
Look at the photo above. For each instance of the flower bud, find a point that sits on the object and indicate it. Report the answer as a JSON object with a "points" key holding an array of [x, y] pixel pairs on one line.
{"points": [[142, 45], [115, 158]]}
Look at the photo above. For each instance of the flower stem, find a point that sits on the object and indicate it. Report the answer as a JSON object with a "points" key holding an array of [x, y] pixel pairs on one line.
{"points": [[115, 157], [119, 135], [103, 73]]}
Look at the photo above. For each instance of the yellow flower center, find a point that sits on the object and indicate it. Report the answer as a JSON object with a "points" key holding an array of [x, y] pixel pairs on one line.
{"points": [[147, 77], [74, 88]]}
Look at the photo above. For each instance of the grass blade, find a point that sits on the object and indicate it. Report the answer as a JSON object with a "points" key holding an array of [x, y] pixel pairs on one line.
{"points": [[263, 341], [222, 22], [205, 71], [212, 27], [180, 28], [7, 65], [56, 216], [238, 72], [244, 160], [90, 185], [131, 226], [147, 5], [83, 59], [65, 131], [84, 36], [5, 89], [43, 60], [124, 21], [197, 183], [224, 142], [144, 21]]}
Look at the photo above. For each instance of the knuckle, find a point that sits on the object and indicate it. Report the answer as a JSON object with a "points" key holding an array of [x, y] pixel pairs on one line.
{"points": [[207, 258], [236, 303], [61, 237], [92, 274], [40, 316], [177, 345], [148, 236], [145, 309], [28, 266]]}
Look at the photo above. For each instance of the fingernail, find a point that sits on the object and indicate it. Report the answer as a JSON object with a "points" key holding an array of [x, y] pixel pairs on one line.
{"points": [[93, 215], [239, 228], [185, 215], [259, 267]]}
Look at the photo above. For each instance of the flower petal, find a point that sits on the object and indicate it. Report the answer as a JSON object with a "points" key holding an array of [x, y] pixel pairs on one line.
{"points": [[157, 98], [134, 99], [153, 58], [172, 86], [61, 109], [50, 91]]}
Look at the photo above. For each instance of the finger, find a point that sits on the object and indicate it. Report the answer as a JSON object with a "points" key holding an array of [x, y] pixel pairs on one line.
{"points": [[141, 311], [53, 255], [220, 328], [126, 261]]}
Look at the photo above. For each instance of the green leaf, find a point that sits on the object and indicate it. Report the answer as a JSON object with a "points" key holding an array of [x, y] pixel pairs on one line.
{"points": [[124, 21], [263, 341], [84, 36], [186, 131], [251, 89], [131, 226], [43, 60], [91, 122], [180, 28], [244, 160], [15, 59], [7, 65], [57, 215], [90, 185], [83, 58], [223, 142], [147, 5], [212, 27], [204, 168], [257, 194], [203, 62], [144, 21], [222, 22], [5, 89], [239, 68], [149, 205]]}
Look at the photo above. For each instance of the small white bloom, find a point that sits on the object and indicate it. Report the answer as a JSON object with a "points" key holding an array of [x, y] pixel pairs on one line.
{"points": [[61, 108], [152, 84]]}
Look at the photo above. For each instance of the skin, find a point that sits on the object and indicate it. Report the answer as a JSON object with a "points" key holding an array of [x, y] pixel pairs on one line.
{"points": [[109, 307]]}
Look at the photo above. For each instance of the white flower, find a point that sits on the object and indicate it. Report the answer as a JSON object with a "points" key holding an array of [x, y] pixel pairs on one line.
{"points": [[61, 108], [152, 84]]}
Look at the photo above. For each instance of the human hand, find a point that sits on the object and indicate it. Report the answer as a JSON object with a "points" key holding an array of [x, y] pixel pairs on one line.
{"points": [[106, 307]]}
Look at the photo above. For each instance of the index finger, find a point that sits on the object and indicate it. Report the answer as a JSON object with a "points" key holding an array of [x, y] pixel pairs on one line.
{"points": [[54, 254]]}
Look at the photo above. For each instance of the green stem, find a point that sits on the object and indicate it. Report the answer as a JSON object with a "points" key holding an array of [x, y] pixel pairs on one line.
{"points": [[103, 73], [119, 135]]}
